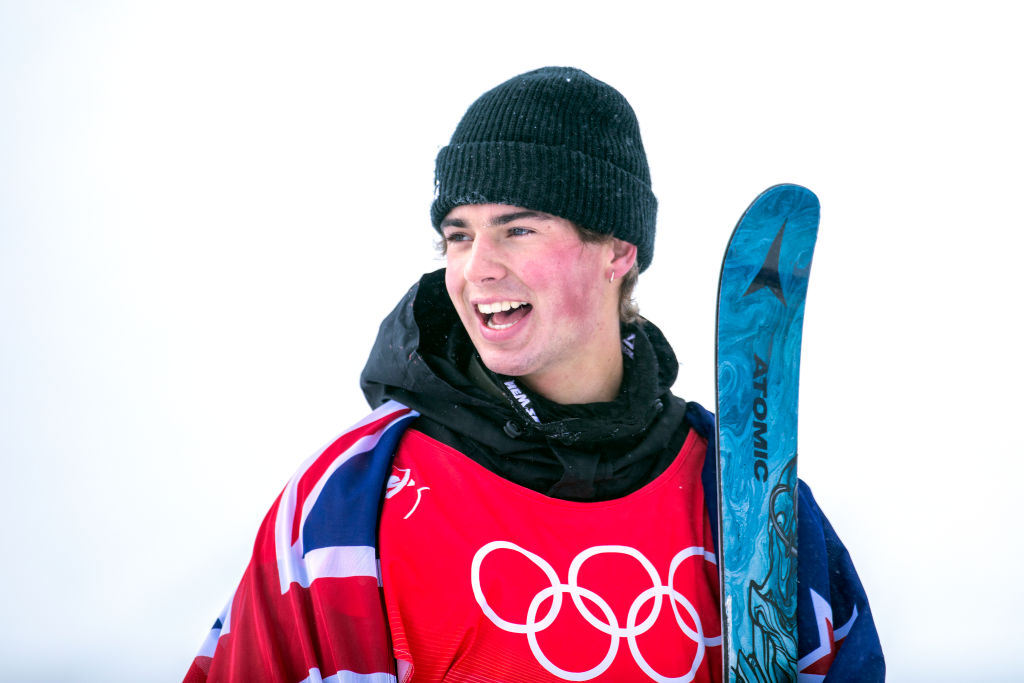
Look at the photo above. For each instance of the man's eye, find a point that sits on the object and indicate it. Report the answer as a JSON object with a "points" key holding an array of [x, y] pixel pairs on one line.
{"points": [[456, 237], [519, 231]]}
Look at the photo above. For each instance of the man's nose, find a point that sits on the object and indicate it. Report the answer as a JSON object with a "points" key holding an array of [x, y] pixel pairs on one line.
{"points": [[485, 261]]}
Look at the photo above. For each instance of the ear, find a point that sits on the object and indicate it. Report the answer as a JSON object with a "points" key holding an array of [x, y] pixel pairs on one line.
{"points": [[623, 256]]}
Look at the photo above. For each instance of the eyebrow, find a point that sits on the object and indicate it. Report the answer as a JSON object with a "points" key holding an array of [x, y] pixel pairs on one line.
{"points": [[503, 219], [507, 218]]}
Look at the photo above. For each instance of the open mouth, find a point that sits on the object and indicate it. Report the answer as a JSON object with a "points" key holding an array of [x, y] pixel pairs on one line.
{"points": [[502, 315]]}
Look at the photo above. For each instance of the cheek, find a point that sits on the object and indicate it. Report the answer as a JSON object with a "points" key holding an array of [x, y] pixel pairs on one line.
{"points": [[578, 304], [453, 283], [569, 284], [450, 282], [453, 280]]}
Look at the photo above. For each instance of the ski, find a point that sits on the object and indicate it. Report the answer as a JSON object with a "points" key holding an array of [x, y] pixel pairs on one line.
{"points": [[761, 295]]}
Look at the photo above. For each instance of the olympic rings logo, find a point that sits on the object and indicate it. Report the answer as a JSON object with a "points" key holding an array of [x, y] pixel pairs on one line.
{"points": [[610, 625]]}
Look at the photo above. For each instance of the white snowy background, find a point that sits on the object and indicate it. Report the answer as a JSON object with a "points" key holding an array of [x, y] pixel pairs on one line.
{"points": [[207, 207]]}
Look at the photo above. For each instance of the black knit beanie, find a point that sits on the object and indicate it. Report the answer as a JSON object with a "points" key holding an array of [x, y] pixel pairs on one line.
{"points": [[555, 140]]}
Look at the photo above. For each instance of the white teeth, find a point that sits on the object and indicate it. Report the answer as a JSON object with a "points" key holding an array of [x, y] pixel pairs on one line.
{"points": [[499, 306]]}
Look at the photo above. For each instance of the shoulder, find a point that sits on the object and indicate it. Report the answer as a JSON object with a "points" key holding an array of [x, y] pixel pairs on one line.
{"points": [[344, 480], [364, 448], [836, 627], [391, 418], [700, 418]]}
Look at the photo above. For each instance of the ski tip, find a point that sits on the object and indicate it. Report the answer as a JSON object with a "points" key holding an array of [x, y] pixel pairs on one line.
{"points": [[788, 188], [784, 198]]}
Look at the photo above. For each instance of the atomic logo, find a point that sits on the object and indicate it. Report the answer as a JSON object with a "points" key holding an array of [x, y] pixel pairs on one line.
{"points": [[768, 276], [609, 624]]}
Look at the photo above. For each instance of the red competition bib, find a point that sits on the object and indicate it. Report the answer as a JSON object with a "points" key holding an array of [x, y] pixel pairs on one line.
{"points": [[485, 580]]}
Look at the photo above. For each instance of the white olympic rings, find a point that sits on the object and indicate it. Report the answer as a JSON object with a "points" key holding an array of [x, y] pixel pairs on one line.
{"points": [[610, 626]]}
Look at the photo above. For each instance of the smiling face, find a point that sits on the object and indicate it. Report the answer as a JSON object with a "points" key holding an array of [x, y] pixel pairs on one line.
{"points": [[536, 300]]}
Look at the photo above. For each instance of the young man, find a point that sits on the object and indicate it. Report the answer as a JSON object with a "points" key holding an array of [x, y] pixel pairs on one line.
{"points": [[528, 501]]}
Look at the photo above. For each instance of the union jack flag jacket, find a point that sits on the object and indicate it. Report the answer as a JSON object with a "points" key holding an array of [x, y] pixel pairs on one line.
{"points": [[309, 608]]}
